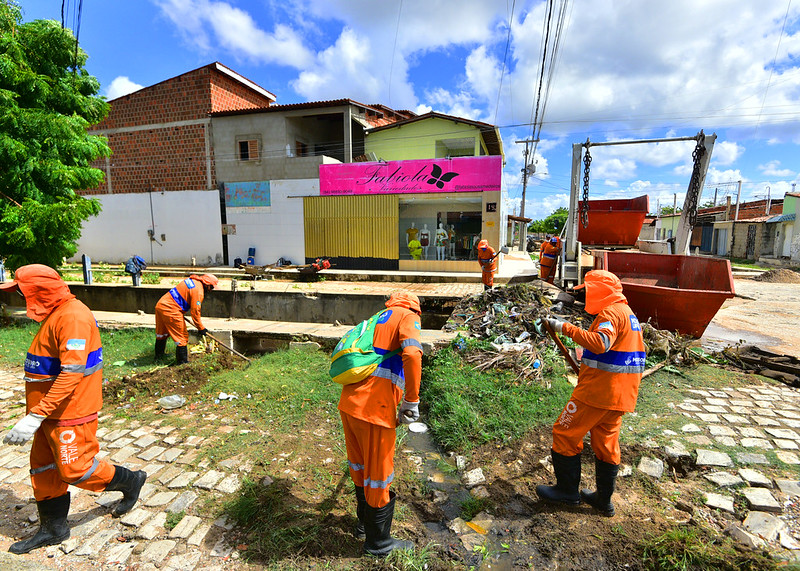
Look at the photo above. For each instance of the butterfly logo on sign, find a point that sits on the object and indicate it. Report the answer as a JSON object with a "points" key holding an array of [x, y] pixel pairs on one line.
{"points": [[438, 178]]}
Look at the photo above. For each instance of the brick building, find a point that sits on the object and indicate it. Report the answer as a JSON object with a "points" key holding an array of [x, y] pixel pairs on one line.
{"points": [[160, 135]]}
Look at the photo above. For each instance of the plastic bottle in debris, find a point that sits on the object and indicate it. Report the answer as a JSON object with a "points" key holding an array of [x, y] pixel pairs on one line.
{"points": [[171, 402]]}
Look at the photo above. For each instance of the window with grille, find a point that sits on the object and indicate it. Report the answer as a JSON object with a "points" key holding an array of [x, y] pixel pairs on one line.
{"points": [[248, 150]]}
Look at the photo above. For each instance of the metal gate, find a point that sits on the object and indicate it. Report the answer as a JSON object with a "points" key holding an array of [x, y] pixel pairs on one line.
{"points": [[750, 247], [707, 239]]}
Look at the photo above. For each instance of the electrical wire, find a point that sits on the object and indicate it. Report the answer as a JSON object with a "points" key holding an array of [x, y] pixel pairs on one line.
{"points": [[774, 59], [394, 49], [505, 56]]}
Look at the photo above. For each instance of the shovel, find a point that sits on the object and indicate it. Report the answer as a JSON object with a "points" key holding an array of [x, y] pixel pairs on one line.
{"points": [[542, 324], [231, 349]]}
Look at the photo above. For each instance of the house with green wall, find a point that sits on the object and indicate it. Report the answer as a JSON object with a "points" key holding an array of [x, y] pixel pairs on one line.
{"points": [[432, 135]]}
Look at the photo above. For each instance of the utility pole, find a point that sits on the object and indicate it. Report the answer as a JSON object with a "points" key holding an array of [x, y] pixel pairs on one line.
{"points": [[526, 170], [738, 196], [769, 201]]}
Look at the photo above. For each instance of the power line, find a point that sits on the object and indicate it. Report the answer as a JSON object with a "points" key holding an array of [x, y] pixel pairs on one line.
{"points": [[774, 59], [505, 55], [394, 49]]}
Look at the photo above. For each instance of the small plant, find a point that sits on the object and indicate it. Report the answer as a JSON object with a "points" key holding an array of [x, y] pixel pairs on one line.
{"points": [[473, 506], [151, 278], [173, 519], [411, 559]]}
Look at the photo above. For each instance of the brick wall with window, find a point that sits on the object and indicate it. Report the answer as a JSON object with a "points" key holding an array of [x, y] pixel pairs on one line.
{"points": [[162, 155]]}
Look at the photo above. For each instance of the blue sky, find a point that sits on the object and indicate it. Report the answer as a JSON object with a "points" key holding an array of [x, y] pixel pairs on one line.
{"points": [[624, 69]]}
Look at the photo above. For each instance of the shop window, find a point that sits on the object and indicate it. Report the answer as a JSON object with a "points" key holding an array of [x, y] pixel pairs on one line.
{"points": [[248, 150]]}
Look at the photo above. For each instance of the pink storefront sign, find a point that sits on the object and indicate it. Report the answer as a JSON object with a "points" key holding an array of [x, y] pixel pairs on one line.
{"points": [[461, 174]]}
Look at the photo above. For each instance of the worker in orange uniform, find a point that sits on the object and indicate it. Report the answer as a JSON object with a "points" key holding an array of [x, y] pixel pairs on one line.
{"points": [[370, 417], [487, 258], [608, 385], [186, 296], [548, 254], [63, 393]]}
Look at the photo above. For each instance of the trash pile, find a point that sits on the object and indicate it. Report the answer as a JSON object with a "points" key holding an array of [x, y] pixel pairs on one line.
{"points": [[506, 318]]}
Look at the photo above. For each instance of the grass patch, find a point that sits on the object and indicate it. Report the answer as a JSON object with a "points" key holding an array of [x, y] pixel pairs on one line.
{"points": [[173, 519], [473, 506], [274, 527], [411, 559], [685, 549], [284, 385], [467, 408]]}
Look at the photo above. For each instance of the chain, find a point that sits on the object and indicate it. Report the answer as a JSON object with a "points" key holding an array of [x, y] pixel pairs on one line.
{"points": [[587, 160], [694, 184]]}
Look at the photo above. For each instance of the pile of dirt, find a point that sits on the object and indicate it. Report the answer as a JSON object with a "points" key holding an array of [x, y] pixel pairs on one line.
{"points": [[168, 380], [780, 276]]}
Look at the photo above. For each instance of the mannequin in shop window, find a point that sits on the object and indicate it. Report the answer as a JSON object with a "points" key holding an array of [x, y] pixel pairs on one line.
{"points": [[411, 236], [425, 239], [451, 238], [441, 241]]}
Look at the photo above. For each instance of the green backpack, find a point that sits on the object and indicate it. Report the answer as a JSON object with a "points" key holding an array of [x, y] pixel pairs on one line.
{"points": [[354, 358]]}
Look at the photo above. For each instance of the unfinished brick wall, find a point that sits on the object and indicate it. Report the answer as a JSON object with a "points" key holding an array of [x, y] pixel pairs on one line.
{"points": [[164, 156], [167, 159]]}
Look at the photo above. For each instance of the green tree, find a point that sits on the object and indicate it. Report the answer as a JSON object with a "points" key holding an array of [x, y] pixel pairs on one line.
{"points": [[552, 224], [47, 102]]}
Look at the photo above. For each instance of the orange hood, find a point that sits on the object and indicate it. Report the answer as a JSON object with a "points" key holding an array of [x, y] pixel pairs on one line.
{"points": [[43, 288], [483, 244], [206, 279], [602, 289], [404, 299]]}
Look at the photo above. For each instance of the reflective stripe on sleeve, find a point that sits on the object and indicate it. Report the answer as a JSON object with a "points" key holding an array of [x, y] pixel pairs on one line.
{"points": [[32, 380], [387, 374], [73, 368], [411, 343]]}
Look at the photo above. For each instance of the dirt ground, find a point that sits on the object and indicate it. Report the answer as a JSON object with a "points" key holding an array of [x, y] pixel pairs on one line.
{"points": [[766, 314]]}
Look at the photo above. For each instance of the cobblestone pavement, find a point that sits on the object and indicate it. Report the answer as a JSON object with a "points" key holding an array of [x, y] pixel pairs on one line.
{"points": [[176, 482], [744, 423]]}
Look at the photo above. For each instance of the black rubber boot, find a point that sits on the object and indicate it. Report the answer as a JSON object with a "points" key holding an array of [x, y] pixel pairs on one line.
{"points": [[161, 347], [53, 528], [181, 354], [568, 477], [378, 527], [130, 484], [361, 500], [605, 477]]}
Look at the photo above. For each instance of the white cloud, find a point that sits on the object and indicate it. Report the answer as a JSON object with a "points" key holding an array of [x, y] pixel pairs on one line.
{"points": [[726, 152], [235, 31], [120, 86], [773, 169]]}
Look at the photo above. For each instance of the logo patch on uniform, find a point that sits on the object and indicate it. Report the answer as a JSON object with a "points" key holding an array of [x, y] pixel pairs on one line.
{"points": [[606, 325], [635, 326], [76, 344], [385, 316], [417, 325]]}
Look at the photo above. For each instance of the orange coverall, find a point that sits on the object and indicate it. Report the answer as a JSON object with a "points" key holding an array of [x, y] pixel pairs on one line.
{"points": [[547, 260], [63, 382], [186, 296], [369, 408], [487, 258], [608, 382]]}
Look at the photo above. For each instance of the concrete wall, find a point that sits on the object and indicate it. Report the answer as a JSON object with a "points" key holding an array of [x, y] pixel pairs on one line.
{"points": [[271, 306], [275, 231], [417, 140], [186, 224]]}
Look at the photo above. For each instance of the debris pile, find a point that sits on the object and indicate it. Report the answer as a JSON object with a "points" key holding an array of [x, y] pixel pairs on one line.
{"points": [[506, 320], [780, 276]]}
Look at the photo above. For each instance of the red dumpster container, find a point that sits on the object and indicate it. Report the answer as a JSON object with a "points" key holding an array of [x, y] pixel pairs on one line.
{"points": [[615, 222], [675, 292]]}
